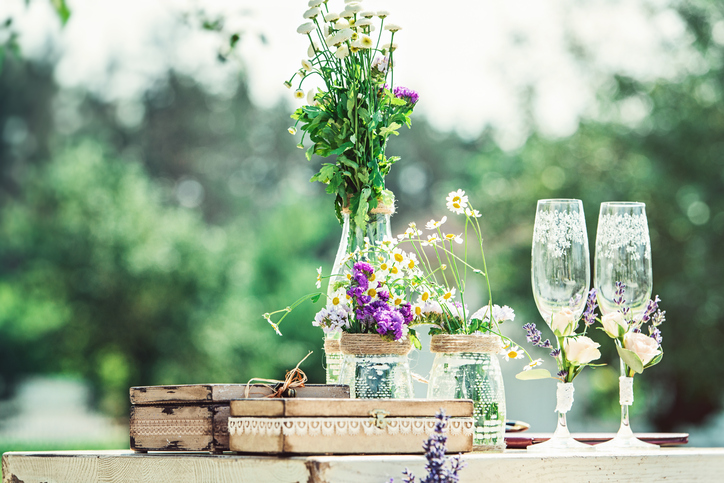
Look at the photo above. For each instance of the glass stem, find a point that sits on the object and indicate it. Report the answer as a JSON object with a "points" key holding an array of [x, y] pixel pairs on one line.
{"points": [[562, 426], [625, 428]]}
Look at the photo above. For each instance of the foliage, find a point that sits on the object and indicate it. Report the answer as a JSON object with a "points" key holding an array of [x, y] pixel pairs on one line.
{"points": [[354, 117]]}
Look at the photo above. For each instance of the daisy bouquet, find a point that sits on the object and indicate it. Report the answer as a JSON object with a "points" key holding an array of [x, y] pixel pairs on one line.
{"points": [[573, 350], [351, 54], [638, 351], [413, 279]]}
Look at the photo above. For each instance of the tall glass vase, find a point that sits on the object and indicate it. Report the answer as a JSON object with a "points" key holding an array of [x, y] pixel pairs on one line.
{"points": [[377, 228], [375, 368], [466, 367], [561, 441]]}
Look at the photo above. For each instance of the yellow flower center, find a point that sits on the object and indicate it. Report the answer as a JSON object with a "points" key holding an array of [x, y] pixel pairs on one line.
{"points": [[372, 292], [398, 301], [349, 276], [456, 205], [512, 354], [447, 295], [335, 301], [394, 270], [383, 266], [372, 278], [418, 311], [456, 199], [425, 296], [411, 265], [398, 257]]}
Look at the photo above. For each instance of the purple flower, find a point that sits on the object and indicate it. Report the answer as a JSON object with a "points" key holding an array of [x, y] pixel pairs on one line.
{"points": [[363, 267], [656, 335], [408, 94], [533, 335], [389, 322], [383, 295], [618, 298], [658, 318], [562, 374], [651, 307], [555, 352], [406, 311], [589, 315]]}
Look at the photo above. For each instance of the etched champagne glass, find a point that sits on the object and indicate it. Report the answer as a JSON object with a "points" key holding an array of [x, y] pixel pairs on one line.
{"points": [[560, 276], [623, 254]]}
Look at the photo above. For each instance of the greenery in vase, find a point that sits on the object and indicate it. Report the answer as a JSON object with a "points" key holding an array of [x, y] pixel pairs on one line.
{"points": [[637, 350], [358, 109], [573, 352]]}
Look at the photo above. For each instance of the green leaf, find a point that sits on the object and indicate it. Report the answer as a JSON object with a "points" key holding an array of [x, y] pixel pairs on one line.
{"points": [[315, 299], [310, 151], [341, 149], [631, 359], [391, 129], [62, 9], [655, 360], [533, 374]]}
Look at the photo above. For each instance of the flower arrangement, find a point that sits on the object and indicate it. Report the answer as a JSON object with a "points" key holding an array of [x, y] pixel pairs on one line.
{"points": [[389, 290], [435, 449], [573, 351], [637, 350], [359, 107]]}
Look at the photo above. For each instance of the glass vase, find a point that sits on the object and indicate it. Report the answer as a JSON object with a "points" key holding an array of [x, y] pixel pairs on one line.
{"points": [[561, 441], [466, 367], [353, 237], [625, 439], [374, 368]]}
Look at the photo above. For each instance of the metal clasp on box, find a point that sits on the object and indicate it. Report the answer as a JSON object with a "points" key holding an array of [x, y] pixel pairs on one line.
{"points": [[378, 416]]}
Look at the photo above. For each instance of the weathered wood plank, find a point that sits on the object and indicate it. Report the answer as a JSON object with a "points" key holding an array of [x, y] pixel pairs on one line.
{"points": [[667, 464], [172, 428], [295, 407], [195, 393]]}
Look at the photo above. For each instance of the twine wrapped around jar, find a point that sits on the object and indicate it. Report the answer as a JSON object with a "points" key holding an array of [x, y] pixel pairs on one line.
{"points": [[374, 344], [381, 209], [331, 346], [480, 343]]}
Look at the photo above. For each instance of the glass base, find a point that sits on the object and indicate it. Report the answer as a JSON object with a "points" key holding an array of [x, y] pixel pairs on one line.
{"points": [[560, 442], [625, 440]]}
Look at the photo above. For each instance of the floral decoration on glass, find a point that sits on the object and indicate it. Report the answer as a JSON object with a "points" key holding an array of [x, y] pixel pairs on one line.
{"points": [[436, 465], [354, 106], [560, 277], [638, 351]]}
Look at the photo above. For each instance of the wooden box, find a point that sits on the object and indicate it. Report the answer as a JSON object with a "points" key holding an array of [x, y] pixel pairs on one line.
{"points": [[351, 426], [194, 417]]}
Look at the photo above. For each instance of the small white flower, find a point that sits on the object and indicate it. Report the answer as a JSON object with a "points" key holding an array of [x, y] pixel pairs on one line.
{"points": [[329, 40], [319, 277], [449, 295], [342, 52], [313, 49], [342, 36], [351, 1], [390, 47], [366, 42], [292, 130], [310, 97], [287, 84], [432, 224], [383, 13], [472, 213], [512, 352], [431, 240], [533, 364], [452, 237], [352, 8], [311, 13], [367, 14], [457, 201], [315, 3], [299, 94], [306, 65], [306, 28], [341, 24], [392, 27], [331, 16], [364, 23]]}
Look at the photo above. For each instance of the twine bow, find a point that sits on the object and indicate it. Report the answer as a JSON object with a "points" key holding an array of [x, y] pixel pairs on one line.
{"points": [[294, 378]]}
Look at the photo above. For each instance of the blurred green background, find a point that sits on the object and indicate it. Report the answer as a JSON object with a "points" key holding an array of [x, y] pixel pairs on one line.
{"points": [[145, 251]]}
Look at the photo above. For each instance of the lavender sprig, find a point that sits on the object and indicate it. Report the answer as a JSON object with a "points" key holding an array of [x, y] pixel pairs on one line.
{"points": [[589, 315]]}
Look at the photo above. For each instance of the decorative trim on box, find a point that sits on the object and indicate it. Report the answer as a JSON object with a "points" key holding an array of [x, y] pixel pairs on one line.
{"points": [[159, 427], [344, 426]]}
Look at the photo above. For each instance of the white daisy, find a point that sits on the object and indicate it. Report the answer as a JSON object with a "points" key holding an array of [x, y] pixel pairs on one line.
{"points": [[287, 84], [311, 13], [346, 14], [432, 224], [452, 237], [331, 16], [342, 52], [472, 213], [449, 295], [366, 42], [533, 364], [383, 13], [392, 27], [513, 352], [351, 1], [341, 24], [431, 240], [352, 8], [299, 94], [313, 49], [306, 65], [364, 22], [292, 130], [457, 201], [315, 3], [310, 97], [390, 47], [306, 28], [367, 14], [319, 277]]}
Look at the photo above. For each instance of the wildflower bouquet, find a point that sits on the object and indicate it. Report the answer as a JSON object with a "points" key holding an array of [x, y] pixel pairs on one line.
{"points": [[359, 107], [637, 350], [573, 352]]}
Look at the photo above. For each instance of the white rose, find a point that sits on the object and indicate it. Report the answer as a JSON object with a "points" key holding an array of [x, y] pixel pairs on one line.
{"points": [[614, 324], [564, 323], [644, 346], [581, 350]]}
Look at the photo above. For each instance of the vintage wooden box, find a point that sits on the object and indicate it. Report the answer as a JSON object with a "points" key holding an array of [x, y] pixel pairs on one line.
{"points": [[352, 426], [194, 417]]}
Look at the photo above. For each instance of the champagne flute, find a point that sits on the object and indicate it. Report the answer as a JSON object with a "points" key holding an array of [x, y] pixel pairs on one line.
{"points": [[623, 254], [560, 276]]}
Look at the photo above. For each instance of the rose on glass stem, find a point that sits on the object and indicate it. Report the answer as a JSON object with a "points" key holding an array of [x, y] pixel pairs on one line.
{"points": [[642, 345], [581, 350], [564, 323]]}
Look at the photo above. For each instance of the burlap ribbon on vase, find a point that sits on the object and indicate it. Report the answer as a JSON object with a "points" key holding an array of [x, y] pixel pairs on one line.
{"points": [[480, 343], [331, 346], [372, 344], [381, 209]]}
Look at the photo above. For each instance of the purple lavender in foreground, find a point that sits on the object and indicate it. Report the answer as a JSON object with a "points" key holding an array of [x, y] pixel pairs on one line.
{"points": [[435, 454], [618, 298], [408, 94], [589, 315]]}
